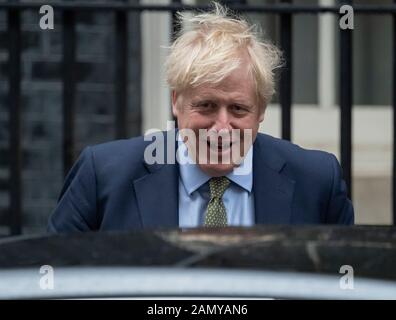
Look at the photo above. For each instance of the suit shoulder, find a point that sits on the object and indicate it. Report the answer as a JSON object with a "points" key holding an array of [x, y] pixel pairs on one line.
{"points": [[134, 145], [118, 155], [298, 158], [286, 147], [125, 155], [122, 146]]}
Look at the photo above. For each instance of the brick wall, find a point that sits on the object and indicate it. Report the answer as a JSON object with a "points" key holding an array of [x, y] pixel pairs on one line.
{"points": [[42, 102]]}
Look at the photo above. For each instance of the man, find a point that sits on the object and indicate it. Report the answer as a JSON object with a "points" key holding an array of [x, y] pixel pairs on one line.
{"points": [[222, 78]]}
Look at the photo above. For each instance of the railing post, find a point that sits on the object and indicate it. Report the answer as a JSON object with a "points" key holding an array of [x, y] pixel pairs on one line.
{"points": [[135, 73], [175, 27], [285, 84], [346, 97], [121, 81], [394, 121], [68, 75], [15, 159]]}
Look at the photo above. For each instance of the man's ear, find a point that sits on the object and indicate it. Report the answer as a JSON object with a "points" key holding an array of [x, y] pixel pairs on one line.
{"points": [[174, 104], [262, 112]]}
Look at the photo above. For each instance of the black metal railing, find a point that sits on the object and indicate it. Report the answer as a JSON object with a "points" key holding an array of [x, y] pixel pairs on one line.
{"points": [[285, 10]]}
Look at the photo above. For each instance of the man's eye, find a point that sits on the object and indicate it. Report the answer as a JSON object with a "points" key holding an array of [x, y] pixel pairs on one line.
{"points": [[206, 105], [238, 108]]}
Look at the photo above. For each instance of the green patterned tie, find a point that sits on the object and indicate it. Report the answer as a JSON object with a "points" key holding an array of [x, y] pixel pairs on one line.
{"points": [[216, 215]]}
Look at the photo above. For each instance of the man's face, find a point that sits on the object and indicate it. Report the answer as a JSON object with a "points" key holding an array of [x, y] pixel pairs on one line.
{"points": [[231, 104]]}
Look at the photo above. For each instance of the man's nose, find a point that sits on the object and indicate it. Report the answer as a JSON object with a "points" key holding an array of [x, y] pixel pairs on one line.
{"points": [[223, 119]]}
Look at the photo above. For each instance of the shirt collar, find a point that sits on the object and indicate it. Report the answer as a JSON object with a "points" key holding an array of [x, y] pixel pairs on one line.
{"points": [[243, 175], [193, 177]]}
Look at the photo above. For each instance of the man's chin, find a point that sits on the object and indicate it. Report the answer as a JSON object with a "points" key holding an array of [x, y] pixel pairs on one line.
{"points": [[217, 170]]}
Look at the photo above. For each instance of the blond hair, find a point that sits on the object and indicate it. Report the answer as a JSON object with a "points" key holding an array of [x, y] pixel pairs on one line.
{"points": [[209, 48]]}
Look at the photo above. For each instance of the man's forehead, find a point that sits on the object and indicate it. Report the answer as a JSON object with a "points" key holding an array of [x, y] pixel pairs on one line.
{"points": [[217, 94], [216, 91]]}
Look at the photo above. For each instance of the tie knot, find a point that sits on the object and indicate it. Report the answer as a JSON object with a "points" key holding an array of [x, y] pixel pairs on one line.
{"points": [[218, 186]]}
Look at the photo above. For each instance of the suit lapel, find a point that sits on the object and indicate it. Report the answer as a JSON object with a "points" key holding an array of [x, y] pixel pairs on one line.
{"points": [[157, 195], [273, 192]]}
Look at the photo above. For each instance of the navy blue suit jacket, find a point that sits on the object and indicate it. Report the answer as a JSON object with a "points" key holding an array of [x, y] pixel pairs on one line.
{"points": [[111, 187]]}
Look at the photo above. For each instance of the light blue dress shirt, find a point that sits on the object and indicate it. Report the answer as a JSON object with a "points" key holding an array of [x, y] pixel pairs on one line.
{"points": [[194, 194]]}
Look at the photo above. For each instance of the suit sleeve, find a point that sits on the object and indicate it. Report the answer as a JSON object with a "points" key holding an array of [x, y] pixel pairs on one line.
{"points": [[340, 208], [76, 208]]}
